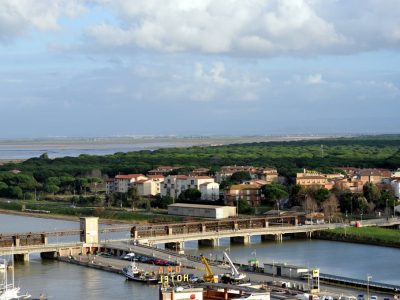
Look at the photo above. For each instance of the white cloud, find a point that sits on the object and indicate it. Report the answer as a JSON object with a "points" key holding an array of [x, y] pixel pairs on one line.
{"points": [[218, 26], [18, 16]]}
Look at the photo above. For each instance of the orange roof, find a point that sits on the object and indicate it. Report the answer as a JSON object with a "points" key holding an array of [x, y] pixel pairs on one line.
{"points": [[202, 177], [129, 176], [156, 176], [244, 187]]}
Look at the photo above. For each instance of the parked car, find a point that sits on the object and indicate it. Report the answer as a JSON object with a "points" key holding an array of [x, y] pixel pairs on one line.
{"points": [[146, 260], [128, 256], [161, 262], [373, 297], [360, 297]]}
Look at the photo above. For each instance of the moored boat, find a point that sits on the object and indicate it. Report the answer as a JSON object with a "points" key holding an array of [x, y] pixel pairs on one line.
{"points": [[132, 272]]}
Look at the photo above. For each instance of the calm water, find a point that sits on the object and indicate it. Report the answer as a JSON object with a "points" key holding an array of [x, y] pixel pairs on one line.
{"points": [[63, 281]]}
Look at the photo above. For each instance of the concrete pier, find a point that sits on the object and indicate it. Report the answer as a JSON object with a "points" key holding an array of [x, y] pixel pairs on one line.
{"points": [[209, 242], [21, 257], [175, 245], [245, 240]]}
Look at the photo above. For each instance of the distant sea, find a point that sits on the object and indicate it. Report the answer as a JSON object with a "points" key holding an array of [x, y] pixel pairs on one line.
{"points": [[60, 147]]}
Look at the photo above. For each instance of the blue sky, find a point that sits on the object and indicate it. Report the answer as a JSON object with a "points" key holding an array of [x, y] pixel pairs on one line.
{"points": [[148, 67]]}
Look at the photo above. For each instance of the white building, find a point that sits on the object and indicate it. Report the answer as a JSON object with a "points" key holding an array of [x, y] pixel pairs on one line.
{"points": [[122, 183], [285, 270], [174, 185], [203, 211], [209, 191], [150, 186], [396, 187]]}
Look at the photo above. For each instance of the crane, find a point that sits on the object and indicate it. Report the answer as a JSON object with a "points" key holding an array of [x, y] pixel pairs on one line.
{"points": [[209, 275], [235, 275]]}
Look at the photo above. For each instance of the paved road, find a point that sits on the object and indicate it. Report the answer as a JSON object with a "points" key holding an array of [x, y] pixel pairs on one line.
{"points": [[197, 268]]}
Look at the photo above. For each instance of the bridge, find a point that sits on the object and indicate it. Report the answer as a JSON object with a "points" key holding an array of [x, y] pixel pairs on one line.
{"points": [[173, 235]]}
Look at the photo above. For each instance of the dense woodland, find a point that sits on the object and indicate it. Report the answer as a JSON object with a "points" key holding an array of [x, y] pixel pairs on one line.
{"points": [[75, 174]]}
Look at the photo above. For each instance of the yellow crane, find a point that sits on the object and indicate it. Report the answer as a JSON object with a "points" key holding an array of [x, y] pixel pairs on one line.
{"points": [[209, 274]]}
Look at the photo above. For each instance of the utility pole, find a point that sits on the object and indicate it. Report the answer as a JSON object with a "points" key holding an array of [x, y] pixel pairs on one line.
{"points": [[368, 279]]}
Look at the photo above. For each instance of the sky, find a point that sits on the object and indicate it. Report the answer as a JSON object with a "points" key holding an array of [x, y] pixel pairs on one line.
{"points": [[200, 67]]}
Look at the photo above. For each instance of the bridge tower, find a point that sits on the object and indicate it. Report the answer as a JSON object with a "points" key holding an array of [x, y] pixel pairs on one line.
{"points": [[89, 230]]}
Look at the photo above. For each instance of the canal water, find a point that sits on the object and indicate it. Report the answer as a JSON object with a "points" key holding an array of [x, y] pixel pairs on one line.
{"points": [[63, 281]]}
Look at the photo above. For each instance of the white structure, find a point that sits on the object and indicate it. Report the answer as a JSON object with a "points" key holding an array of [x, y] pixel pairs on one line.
{"points": [[285, 270], [396, 187], [150, 186], [174, 185], [122, 183], [203, 211], [209, 191]]}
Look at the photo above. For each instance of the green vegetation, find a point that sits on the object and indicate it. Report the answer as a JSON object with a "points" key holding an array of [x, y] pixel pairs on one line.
{"points": [[372, 235], [75, 179], [63, 209], [287, 157]]}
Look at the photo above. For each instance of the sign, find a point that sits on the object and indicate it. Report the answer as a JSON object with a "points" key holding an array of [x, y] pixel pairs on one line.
{"points": [[315, 273], [172, 278]]}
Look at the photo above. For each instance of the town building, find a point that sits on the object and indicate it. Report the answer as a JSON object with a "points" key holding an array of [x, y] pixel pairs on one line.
{"points": [[352, 185], [174, 185], [209, 191], [396, 187], [374, 176], [122, 183], [200, 172], [162, 170], [268, 174], [313, 179], [202, 211], [249, 192], [150, 186]]}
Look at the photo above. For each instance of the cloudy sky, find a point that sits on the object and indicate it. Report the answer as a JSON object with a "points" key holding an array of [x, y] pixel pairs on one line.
{"points": [[118, 67]]}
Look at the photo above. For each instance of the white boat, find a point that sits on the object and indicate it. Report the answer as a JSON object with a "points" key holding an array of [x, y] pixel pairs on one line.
{"points": [[8, 291], [132, 272]]}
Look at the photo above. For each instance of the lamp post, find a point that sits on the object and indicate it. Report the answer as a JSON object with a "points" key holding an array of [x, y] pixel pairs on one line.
{"points": [[368, 279]]}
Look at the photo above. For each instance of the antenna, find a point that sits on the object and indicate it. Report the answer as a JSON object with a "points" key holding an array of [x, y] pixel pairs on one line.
{"points": [[322, 151]]}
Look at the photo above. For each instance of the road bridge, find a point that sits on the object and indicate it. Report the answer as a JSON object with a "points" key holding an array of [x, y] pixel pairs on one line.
{"points": [[173, 235]]}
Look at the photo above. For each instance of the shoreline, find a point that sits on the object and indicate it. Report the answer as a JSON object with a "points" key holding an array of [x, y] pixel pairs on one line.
{"points": [[58, 217], [356, 239]]}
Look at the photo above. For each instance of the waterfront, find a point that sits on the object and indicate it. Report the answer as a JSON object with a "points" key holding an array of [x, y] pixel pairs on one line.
{"points": [[56, 278], [59, 147]]}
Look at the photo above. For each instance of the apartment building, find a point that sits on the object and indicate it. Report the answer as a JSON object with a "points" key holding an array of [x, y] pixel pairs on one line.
{"points": [[268, 174], [173, 185], [251, 193], [313, 179]]}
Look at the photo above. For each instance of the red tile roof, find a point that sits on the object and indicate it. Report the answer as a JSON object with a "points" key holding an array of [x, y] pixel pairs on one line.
{"points": [[129, 176]]}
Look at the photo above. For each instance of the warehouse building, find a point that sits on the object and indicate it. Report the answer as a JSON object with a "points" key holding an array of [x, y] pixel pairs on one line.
{"points": [[202, 211]]}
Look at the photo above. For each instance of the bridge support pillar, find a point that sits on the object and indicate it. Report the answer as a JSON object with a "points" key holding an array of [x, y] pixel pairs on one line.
{"points": [[21, 257], [44, 239], [267, 237], [175, 245], [279, 237], [241, 240], [309, 234], [209, 242], [16, 241], [90, 230], [48, 255]]}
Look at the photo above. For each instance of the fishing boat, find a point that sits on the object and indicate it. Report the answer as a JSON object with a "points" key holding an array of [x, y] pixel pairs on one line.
{"points": [[132, 272], [8, 291]]}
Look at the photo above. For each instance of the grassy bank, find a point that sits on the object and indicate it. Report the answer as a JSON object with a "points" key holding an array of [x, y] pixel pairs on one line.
{"points": [[57, 210], [364, 235]]}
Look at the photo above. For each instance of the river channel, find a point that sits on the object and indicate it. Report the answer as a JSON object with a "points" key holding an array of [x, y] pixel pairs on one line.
{"points": [[63, 281]]}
